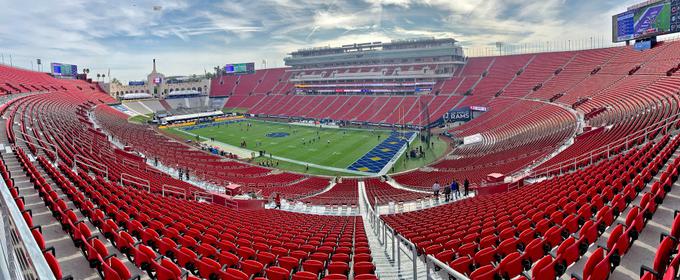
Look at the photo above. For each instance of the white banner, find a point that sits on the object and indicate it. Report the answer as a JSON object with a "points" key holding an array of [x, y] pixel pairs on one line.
{"points": [[476, 138]]}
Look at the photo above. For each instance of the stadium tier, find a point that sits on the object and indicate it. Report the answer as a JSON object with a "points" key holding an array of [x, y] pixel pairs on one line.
{"points": [[588, 141], [103, 217]]}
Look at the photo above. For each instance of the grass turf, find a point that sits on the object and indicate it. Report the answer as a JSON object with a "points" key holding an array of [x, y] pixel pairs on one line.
{"points": [[437, 151], [345, 147], [235, 110], [142, 119], [284, 165]]}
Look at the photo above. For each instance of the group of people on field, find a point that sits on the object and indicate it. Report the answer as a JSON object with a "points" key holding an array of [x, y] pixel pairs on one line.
{"points": [[451, 190]]}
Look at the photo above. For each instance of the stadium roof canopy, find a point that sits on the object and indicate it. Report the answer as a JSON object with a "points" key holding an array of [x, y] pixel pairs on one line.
{"points": [[136, 96], [193, 116], [183, 92]]}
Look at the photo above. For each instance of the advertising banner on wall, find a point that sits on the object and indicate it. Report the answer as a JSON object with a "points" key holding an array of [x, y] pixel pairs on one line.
{"points": [[458, 115]]}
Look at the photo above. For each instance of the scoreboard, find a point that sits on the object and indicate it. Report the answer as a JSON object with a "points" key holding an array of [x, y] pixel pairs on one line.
{"points": [[240, 68], [650, 19], [60, 69]]}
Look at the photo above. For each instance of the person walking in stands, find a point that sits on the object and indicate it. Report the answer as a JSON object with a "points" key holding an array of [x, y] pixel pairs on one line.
{"points": [[466, 186], [435, 189], [454, 189], [277, 201], [447, 193]]}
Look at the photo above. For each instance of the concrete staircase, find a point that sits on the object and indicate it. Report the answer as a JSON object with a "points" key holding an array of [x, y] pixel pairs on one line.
{"points": [[393, 259], [70, 258], [644, 248]]}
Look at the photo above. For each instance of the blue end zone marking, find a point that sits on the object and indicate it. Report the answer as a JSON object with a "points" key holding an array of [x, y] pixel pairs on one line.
{"points": [[376, 159], [277, 134]]}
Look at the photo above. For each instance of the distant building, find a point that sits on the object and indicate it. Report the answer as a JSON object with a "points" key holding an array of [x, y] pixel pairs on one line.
{"points": [[158, 86]]}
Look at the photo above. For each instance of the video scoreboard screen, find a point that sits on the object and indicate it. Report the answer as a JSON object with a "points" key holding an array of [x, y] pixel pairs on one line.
{"points": [[240, 68], [60, 69], [658, 18]]}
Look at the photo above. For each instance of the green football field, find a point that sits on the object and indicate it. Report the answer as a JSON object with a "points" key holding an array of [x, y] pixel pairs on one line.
{"points": [[347, 145], [307, 144]]}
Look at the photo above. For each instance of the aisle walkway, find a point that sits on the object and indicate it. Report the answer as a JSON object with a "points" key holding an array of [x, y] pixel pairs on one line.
{"points": [[644, 249], [392, 259]]}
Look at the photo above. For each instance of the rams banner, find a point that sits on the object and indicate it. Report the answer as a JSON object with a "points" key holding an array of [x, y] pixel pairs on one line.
{"points": [[458, 115]]}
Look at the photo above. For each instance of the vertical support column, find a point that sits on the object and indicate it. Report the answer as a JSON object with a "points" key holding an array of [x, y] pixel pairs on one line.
{"points": [[393, 239], [427, 269], [384, 233], [415, 262]]}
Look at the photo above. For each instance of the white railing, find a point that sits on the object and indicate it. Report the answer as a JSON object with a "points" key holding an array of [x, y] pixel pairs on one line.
{"points": [[132, 163], [435, 263], [54, 148], [395, 245], [382, 231], [20, 255], [643, 135], [136, 181], [173, 190], [204, 196], [78, 159]]}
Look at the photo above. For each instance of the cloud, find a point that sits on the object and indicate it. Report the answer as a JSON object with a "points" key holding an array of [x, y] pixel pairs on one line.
{"points": [[190, 35]]}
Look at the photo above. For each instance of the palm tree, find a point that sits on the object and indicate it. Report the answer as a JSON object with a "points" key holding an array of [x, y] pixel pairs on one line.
{"points": [[98, 76]]}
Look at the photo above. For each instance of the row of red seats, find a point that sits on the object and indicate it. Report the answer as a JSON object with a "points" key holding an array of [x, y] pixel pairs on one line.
{"points": [[381, 193], [343, 193], [111, 268], [36, 230], [274, 80], [207, 167], [535, 218], [100, 156], [137, 213], [622, 235], [666, 260], [374, 109], [15, 80]]}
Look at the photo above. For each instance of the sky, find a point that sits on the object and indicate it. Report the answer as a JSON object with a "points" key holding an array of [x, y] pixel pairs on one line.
{"points": [[193, 36]]}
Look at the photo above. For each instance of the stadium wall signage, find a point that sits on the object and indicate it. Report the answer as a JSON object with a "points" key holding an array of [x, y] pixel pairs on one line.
{"points": [[458, 115]]}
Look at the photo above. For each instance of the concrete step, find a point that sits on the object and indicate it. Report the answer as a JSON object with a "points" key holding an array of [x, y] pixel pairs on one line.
{"points": [[70, 258], [388, 265], [74, 262], [625, 273], [644, 249]]}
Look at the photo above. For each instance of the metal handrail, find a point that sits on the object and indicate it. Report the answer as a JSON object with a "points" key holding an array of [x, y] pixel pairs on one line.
{"points": [[445, 267], [54, 147], [381, 230], [82, 160], [123, 179], [38, 262], [173, 189], [622, 142]]}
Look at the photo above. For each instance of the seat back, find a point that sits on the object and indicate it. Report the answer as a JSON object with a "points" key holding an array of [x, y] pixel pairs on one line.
{"points": [[54, 265]]}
